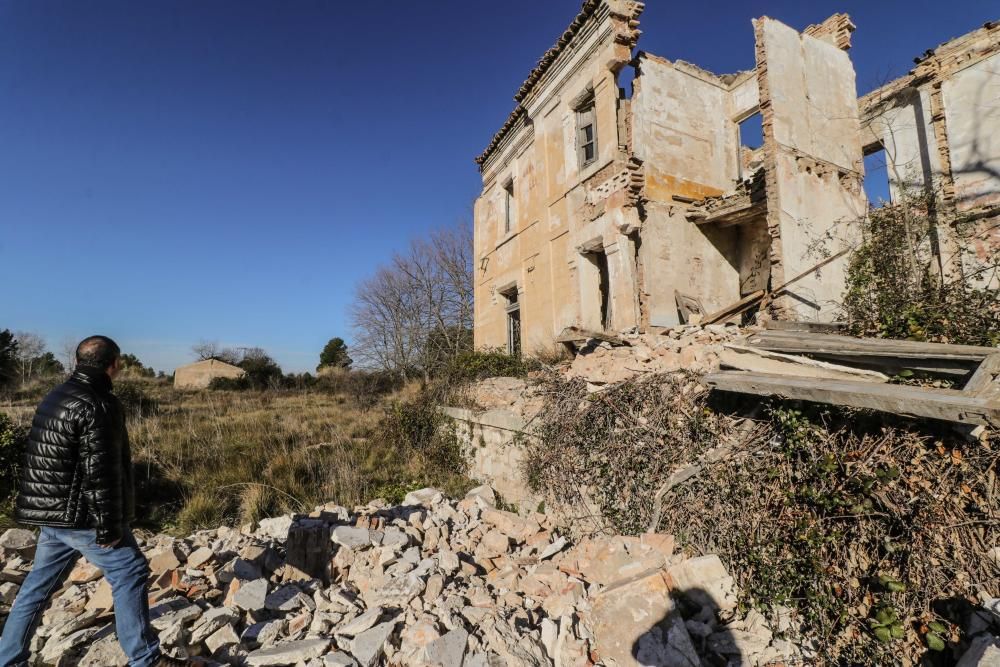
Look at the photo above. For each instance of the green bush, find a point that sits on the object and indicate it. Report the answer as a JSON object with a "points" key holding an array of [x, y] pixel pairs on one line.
{"points": [[418, 427], [135, 402], [482, 364], [895, 290], [11, 448], [8, 358], [230, 384]]}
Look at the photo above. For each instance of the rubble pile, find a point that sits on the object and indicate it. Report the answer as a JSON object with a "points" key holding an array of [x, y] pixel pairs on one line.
{"points": [[429, 582], [685, 347]]}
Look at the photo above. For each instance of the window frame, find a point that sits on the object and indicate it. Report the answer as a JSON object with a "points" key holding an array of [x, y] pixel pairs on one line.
{"points": [[512, 309], [586, 117], [508, 205]]}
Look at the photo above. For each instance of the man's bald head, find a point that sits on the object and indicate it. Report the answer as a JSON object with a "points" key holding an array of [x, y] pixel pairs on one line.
{"points": [[97, 352]]}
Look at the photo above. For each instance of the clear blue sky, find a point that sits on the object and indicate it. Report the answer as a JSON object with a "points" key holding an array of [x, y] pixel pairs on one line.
{"points": [[172, 171]]}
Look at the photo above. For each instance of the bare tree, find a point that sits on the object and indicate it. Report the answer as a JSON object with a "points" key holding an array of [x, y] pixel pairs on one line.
{"points": [[30, 346], [212, 350], [67, 350], [206, 350], [416, 311]]}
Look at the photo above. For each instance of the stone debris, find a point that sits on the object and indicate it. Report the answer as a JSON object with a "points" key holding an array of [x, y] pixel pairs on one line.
{"points": [[18, 541], [431, 582], [684, 347]]}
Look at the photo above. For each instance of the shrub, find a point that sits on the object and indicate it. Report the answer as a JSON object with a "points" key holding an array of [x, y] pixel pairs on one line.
{"points": [[262, 372], [895, 290], [482, 364], [12, 440], [8, 357], [135, 402], [417, 426], [365, 388], [869, 529], [622, 444], [230, 384]]}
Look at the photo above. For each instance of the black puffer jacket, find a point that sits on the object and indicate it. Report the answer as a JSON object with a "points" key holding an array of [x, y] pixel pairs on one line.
{"points": [[77, 469]]}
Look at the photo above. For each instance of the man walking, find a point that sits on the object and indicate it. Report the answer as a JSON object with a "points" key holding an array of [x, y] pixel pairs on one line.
{"points": [[76, 483]]}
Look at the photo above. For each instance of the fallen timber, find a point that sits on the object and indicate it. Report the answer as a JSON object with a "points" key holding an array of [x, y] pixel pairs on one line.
{"points": [[976, 370]]}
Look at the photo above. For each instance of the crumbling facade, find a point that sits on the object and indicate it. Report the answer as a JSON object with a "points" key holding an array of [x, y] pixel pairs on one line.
{"points": [[606, 211], [939, 127]]}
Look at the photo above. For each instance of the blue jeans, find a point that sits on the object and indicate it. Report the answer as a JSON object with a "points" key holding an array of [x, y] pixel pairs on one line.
{"points": [[124, 567]]}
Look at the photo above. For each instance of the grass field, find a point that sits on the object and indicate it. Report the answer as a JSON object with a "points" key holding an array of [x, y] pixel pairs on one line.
{"points": [[208, 458]]}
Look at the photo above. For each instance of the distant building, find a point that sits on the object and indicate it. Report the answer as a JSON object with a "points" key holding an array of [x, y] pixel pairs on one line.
{"points": [[201, 373]]}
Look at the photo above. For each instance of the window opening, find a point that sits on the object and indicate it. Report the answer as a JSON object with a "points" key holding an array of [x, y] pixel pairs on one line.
{"points": [[751, 137], [508, 205], [876, 182], [586, 132], [513, 309]]}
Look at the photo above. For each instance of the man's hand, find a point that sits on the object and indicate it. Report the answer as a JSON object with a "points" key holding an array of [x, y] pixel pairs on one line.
{"points": [[110, 545]]}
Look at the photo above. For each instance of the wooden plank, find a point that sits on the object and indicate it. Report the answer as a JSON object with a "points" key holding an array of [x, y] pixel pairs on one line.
{"points": [[764, 361], [956, 370], [734, 309], [810, 327], [792, 342], [986, 379], [944, 404], [751, 300]]}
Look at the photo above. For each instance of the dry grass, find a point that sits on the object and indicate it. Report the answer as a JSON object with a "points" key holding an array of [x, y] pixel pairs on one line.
{"points": [[209, 458]]}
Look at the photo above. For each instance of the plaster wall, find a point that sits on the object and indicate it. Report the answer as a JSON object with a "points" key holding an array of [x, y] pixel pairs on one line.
{"points": [[813, 164], [972, 112], [744, 96], [491, 442], [201, 373], [682, 132], [912, 161], [678, 255]]}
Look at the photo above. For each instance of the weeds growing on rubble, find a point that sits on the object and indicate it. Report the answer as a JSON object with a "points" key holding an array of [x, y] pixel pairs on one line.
{"points": [[868, 534]]}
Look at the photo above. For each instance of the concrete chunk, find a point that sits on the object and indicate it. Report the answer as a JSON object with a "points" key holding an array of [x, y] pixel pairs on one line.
{"points": [[705, 581], [251, 595], [19, 540], [449, 649], [289, 653], [627, 615], [423, 497], [368, 646], [351, 537], [358, 625]]}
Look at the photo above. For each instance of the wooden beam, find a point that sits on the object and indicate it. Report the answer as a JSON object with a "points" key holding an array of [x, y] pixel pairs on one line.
{"points": [[734, 309], [810, 327], [793, 342], [985, 381], [765, 361], [751, 300], [944, 404]]}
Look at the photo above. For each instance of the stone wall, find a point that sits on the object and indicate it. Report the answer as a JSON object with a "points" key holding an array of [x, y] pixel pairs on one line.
{"points": [[490, 440]]}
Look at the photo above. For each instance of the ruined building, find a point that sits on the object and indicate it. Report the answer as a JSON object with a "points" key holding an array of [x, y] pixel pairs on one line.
{"points": [[603, 210]]}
